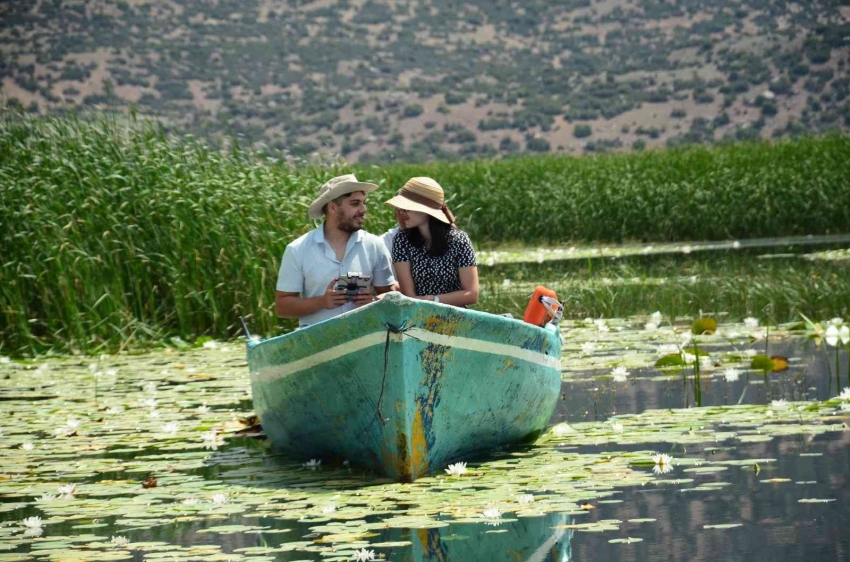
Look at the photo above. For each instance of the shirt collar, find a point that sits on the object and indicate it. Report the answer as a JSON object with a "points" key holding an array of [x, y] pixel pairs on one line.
{"points": [[319, 235]]}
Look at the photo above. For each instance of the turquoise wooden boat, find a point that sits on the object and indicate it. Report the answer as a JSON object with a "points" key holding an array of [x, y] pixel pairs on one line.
{"points": [[405, 387]]}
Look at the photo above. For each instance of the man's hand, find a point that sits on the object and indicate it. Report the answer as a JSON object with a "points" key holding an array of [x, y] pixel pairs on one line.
{"points": [[332, 298], [363, 297]]}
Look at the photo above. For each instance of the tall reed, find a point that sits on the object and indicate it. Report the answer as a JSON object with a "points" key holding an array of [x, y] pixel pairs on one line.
{"points": [[115, 234]]}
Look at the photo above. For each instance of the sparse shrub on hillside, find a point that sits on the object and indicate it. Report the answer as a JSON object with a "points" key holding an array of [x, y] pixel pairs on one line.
{"points": [[455, 98], [582, 131], [537, 144], [414, 110], [678, 114], [507, 144]]}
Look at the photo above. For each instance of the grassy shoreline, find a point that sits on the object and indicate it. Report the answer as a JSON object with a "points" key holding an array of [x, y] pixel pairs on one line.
{"points": [[120, 236]]}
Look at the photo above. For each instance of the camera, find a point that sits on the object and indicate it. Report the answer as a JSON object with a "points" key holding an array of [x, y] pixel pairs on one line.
{"points": [[353, 283]]}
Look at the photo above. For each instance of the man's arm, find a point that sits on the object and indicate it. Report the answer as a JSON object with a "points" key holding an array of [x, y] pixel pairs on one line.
{"points": [[292, 305]]}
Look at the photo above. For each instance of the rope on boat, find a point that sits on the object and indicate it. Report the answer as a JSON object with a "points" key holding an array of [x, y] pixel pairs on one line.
{"points": [[390, 330]]}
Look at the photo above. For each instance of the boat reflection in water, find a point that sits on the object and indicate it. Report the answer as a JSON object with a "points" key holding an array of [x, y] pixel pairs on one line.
{"points": [[528, 539]]}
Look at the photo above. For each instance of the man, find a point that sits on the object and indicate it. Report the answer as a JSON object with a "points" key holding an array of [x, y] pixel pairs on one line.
{"points": [[312, 264]]}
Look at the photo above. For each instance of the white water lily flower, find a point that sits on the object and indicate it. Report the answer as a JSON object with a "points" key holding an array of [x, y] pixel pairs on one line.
{"points": [[620, 374], [618, 427], [832, 336], [668, 349], [844, 334], [111, 372], [837, 322], [751, 323], [5, 360], [330, 508], [456, 469], [203, 409], [686, 338], [656, 317], [363, 555], [211, 440], [650, 326], [492, 513], [114, 411], [72, 424], [525, 499], [845, 407], [490, 261], [210, 344], [67, 491], [150, 402], [171, 428], [845, 394], [32, 522], [686, 249], [220, 499], [779, 404], [663, 464], [540, 258], [506, 283], [601, 325], [562, 429], [731, 375], [119, 541], [189, 501], [587, 348], [750, 352], [688, 358], [27, 446], [705, 361], [312, 464]]}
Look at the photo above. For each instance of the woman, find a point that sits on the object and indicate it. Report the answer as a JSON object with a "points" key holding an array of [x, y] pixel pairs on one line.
{"points": [[433, 260]]}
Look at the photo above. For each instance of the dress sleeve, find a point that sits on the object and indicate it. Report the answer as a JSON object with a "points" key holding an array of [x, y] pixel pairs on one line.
{"points": [[401, 247], [464, 252]]}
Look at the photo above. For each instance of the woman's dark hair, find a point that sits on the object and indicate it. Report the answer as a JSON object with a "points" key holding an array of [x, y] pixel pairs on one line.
{"points": [[439, 236]]}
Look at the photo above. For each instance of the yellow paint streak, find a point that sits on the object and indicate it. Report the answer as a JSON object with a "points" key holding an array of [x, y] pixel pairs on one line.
{"points": [[507, 365], [442, 326], [418, 445]]}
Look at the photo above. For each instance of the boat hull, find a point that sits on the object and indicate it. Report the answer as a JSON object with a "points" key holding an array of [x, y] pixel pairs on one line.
{"points": [[405, 387]]}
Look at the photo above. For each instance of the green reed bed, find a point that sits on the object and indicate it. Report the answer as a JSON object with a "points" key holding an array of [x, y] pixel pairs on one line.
{"points": [[735, 191], [735, 285], [115, 234]]}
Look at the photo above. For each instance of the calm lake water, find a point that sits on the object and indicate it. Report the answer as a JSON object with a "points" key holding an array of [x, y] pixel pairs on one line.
{"points": [[761, 481]]}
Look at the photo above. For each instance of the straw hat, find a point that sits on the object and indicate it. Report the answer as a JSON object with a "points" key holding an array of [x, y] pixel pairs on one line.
{"points": [[333, 188], [425, 196]]}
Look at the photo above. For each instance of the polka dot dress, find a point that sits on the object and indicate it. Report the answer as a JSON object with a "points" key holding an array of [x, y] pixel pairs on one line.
{"points": [[435, 275]]}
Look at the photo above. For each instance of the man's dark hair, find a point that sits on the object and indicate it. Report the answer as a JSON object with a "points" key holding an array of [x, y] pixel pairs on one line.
{"points": [[439, 236], [338, 200]]}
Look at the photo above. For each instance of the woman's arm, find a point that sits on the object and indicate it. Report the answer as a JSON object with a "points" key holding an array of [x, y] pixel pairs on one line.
{"points": [[468, 293], [405, 279]]}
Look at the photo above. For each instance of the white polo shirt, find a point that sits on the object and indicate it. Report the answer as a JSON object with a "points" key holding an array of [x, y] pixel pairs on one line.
{"points": [[309, 264]]}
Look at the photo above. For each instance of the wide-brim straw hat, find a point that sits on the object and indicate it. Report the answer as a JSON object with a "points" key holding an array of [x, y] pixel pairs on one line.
{"points": [[335, 187], [425, 196]]}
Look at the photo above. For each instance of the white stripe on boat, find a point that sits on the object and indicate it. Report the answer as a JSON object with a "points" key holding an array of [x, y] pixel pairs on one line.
{"points": [[379, 338]]}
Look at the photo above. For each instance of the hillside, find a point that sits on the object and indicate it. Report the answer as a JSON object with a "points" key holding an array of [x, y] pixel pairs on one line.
{"points": [[411, 80]]}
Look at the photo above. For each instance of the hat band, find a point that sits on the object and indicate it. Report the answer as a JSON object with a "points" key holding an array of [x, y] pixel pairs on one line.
{"points": [[422, 200]]}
